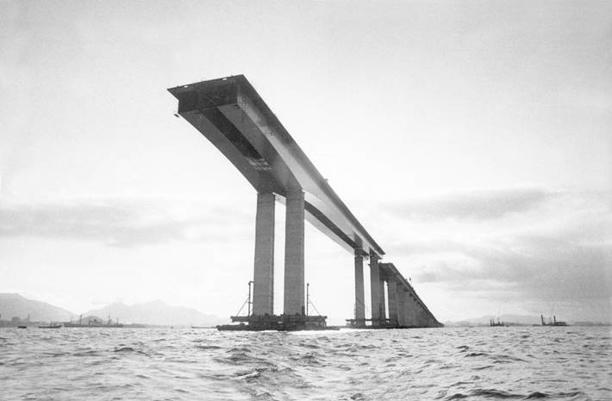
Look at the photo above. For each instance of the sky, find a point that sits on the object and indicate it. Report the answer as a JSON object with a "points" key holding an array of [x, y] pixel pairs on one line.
{"points": [[473, 140]]}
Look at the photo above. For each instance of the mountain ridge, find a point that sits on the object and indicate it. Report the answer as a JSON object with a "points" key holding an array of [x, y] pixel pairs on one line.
{"points": [[155, 312], [16, 305]]}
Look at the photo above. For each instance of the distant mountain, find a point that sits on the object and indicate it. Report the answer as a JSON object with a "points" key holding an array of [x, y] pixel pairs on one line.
{"points": [[508, 319], [156, 313], [14, 305]]}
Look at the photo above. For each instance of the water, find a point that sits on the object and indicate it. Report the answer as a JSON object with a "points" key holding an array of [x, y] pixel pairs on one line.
{"points": [[553, 363]]}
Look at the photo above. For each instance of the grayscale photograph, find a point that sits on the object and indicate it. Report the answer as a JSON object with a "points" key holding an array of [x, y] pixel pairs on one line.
{"points": [[305, 200]]}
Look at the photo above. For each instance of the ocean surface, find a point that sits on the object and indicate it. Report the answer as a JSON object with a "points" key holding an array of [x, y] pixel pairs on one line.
{"points": [[488, 363]]}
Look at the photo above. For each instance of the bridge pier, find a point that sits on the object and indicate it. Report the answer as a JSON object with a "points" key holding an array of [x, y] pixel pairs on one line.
{"points": [[377, 306], [294, 254], [263, 277], [393, 301], [359, 289], [383, 303]]}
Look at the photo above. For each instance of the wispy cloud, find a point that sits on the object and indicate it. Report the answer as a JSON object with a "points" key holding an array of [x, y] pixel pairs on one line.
{"points": [[114, 222], [476, 205]]}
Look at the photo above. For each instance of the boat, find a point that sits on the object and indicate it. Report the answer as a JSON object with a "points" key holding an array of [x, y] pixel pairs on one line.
{"points": [[493, 323], [93, 321], [554, 322], [22, 327], [50, 326]]}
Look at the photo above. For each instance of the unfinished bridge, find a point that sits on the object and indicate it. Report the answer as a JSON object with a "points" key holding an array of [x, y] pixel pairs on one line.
{"points": [[231, 115]]}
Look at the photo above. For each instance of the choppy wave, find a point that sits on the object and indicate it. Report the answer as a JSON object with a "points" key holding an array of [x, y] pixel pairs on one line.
{"points": [[502, 363]]}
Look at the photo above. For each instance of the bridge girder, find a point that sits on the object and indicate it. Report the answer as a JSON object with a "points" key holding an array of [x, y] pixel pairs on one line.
{"points": [[230, 113]]}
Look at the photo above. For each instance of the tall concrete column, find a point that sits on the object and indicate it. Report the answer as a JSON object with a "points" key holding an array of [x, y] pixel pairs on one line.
{"points": [[263, 277], [393, 300], [383, 304], [359, 290], [294, 254], [375, 289]]}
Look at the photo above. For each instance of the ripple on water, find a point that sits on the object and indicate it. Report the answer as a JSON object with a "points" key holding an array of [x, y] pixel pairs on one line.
{"points": [[359, 365]]}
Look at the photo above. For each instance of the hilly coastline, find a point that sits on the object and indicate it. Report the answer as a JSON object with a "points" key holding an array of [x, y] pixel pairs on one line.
{"points": [[156, 313], [15, 305]]}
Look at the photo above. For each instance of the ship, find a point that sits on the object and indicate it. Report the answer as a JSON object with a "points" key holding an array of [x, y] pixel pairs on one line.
{"points": [[493, 323], [50, 326], [92, 321], [554, 322]]}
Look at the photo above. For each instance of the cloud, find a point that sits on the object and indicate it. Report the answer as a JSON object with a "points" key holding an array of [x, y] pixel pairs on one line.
{"points": [[558, 252], [547, 270], [476, 205], [118, 223]]}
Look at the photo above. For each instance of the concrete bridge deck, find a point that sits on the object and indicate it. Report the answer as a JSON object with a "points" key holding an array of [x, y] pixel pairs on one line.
{"points": [[230, 113]]}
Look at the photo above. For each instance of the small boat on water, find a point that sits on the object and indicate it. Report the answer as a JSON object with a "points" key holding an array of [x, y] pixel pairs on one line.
{"points": [[50, 326], [22, 327]]}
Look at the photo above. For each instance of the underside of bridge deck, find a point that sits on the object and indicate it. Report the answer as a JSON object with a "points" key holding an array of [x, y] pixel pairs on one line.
{"points": [[230, 113]]}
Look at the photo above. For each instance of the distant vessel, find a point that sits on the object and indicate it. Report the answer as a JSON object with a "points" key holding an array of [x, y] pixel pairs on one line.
{"points": [[50, 326], [554, 322], [22, 327], [493, 323], [93, 321]]}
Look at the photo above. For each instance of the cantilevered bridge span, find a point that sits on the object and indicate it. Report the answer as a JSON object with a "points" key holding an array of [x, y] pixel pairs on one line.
{"points": [[231, 115]]}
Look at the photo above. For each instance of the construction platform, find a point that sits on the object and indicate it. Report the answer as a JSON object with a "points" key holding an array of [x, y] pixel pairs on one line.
{"points": [[382, 324], [277, 322]]}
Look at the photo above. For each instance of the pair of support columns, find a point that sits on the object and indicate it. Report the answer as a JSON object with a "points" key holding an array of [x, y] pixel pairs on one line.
{"points": [[404, 311], [377, 290], [263, 282]]}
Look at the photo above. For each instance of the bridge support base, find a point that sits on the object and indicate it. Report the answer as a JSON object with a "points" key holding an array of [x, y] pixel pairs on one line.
{"points": [[386, 324], [277, 322]]}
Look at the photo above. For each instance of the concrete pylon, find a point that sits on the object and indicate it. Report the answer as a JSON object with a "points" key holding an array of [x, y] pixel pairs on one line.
{"points": [[294, 254], [359, 289], [393, 297], [375, 290], [383, 303], [263, 277]]}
